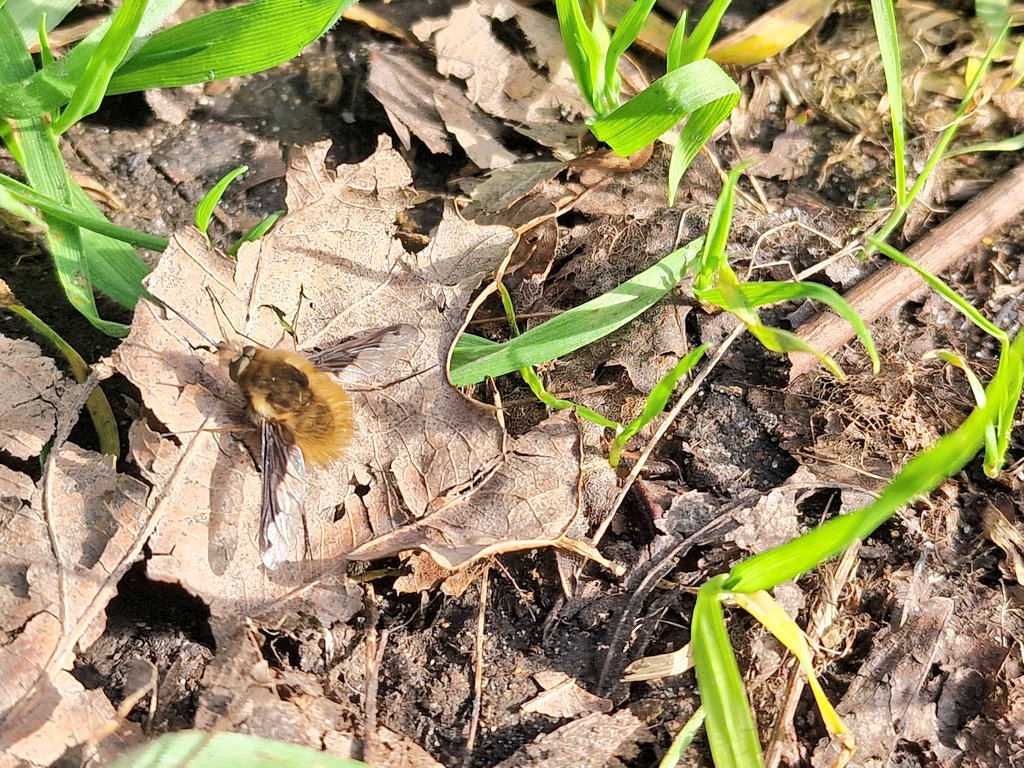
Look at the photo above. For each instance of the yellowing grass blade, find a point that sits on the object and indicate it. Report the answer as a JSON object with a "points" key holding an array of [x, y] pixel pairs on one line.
{"points": [[771, 33], [763, 607]]}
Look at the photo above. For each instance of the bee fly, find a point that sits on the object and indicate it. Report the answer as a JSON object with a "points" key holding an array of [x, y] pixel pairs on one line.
{"points": [[304, 415]]}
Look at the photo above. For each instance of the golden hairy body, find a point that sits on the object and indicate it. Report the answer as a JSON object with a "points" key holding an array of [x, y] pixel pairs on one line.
{"points": [[285, 388]]}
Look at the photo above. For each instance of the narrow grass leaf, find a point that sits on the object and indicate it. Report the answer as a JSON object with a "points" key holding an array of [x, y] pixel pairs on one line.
{"points": [[1009, 144], [625, 35], [15, 61], [712, 256], [108, 55], [732, 733], [948, 356], [92, 220], [27, 16], [661, 105], [49, 89], [45, 170], [226, 43], [656, 402], [581, 49], [766, 293], [950, 296], [676, 45], [199, 748], [697, 45], [920, 476], [474, 359], [205, 208], [256, 232], [683, 739], [884, 14], [46, 57], [540, 392], [695, 134], [18, 209]]}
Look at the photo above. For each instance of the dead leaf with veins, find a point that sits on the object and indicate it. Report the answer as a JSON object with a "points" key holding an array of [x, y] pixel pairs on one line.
{"points": [[422, 453], [32, 387], [534, 93], [64, 545]]}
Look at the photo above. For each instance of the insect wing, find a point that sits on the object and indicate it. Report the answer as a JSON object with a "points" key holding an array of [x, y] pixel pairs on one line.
{"points": [[367, 353], [284, 482]]}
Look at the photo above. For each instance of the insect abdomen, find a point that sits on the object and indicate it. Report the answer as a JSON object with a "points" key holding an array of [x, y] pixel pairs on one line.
{"points": [[322, 429]]}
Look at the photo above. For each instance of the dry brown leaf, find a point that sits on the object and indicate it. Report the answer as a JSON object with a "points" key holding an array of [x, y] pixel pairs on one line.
{"points": [[422, 452], [32, 387], [563, 697], [528, 499], [503, 83], [406, 91], [598, 740], [63, 565]]}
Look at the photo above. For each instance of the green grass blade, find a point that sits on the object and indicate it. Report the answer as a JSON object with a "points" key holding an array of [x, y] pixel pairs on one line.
{"points": [[712, 257], [26, 15], [695, 134], [676, 45], [993, 458], [48, 90], [763, 294], [256, 232], [732, 732], [227, 42], [92, 219], [15, 61], [44, 168], [17, 208], [697, 45], [655, 403], [582, 51], [625, 35], [921, 475], [475, 359], [107, 56], [951, 297], [662, 105], [884, 14], [683, 739], [227, 750], [46, 57], [204, 210]]}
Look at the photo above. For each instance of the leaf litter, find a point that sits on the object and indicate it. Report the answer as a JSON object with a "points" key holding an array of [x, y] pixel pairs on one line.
{"points": [[404, 464], [428, 469]]}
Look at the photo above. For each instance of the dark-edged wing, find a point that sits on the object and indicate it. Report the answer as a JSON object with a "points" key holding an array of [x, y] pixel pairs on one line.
{"points": [[368, 352], [284, 482]]}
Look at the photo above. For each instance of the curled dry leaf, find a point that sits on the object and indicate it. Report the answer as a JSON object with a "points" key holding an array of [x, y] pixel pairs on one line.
{"points": [[420, 449], [32, 387], [536, 96]]}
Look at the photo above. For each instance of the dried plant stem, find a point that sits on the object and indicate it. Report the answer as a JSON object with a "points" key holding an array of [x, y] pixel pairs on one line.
{"points": [[893, 285]]}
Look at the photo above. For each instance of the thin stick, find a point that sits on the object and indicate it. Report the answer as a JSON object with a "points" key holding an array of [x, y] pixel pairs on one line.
{"points": [[893, 285], [478, 671], [666, 422]]}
